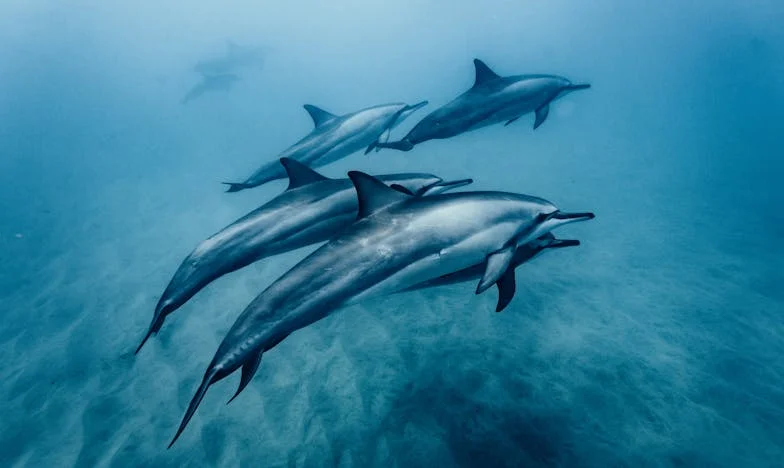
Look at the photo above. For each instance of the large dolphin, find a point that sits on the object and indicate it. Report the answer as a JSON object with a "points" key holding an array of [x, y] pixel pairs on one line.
{"points": [[492, 99], [235, 57], [507, 288], [211, 83], [398, 241], [313, 209], [333, 137]]}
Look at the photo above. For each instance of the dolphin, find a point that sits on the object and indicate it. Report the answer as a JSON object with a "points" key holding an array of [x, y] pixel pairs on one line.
{"points": [[235, 57], [491, 100], [506, 289], [311, 210], [332, 138], [397, 241], [210, 83]]}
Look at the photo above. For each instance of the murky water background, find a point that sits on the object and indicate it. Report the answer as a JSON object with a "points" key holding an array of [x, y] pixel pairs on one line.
{"points": [[657, 342]]}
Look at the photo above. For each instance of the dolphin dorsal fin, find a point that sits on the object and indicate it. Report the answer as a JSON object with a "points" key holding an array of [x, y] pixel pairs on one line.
{"points": [[318, 114], [483, 73], [300, 174], [372, 194]]}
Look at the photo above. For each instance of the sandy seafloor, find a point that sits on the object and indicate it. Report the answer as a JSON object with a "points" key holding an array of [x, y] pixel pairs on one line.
{"points": [[658, 342]]}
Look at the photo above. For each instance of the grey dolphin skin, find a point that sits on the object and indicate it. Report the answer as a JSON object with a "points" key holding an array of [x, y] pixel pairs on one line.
{"points": [[491, 100], [211, 83], [332, 138], [506, 289], [397, 241], [235, 57], [313, 209]]}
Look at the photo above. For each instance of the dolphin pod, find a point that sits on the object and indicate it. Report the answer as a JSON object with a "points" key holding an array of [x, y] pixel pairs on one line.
{"points": [[332, 138], [311, 210], [380, 235], [398, 241], [492, 99]]}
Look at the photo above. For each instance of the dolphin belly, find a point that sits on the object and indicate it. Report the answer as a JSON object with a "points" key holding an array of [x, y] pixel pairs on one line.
{"points": [[349, 146]]}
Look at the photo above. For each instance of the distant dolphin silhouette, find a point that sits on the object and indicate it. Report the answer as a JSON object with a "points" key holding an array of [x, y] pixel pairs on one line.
{"points": [[210, 83], [235, 57], [492, 99]]}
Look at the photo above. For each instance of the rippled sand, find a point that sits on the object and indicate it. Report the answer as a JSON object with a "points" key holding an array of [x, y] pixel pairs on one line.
{"points": [[658, 341]]}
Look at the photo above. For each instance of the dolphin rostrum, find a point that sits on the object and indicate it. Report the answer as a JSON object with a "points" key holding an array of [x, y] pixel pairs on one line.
{"points": [[507, 287], [491, 100], [313, 209], [333, 137], [397, 241]]}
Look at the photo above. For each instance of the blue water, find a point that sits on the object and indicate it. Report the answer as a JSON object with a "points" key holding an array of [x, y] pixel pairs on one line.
{"points": [[658, 342]]}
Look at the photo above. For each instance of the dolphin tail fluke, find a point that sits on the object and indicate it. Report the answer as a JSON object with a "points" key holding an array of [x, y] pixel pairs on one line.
{"points": [[157, 322], [150, 332], [248, 371], [402, 145], [209, 378], [235, 186]]}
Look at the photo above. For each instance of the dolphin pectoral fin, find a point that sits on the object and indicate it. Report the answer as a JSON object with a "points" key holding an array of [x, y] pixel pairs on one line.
{"points": [[383, 138], [541, 115], [511, 121], [248, 371], [209, 378], [506, 289], [497, 264]]}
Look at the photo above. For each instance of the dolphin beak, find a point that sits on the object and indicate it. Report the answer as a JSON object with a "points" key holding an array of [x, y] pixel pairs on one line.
{"points": [[443, 186], [572, 217], [415, 107], [577, 87], [561, 243]]}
